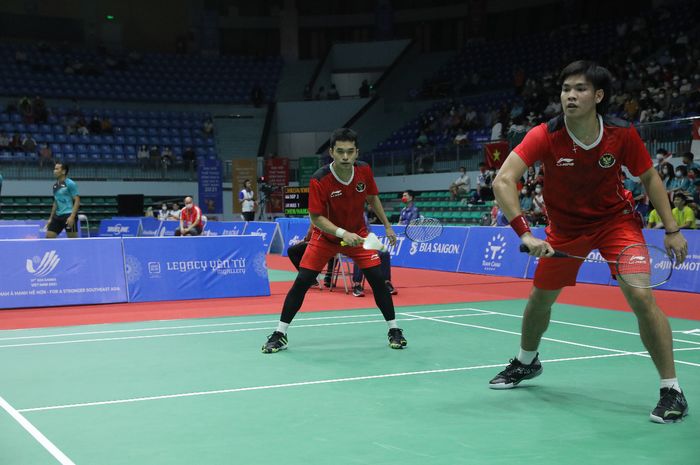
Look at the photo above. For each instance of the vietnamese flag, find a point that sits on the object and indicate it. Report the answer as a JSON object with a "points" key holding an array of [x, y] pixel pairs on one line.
{"points": [[495, 153]]}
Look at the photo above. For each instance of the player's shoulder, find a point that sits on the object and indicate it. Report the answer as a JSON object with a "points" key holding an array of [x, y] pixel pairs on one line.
{"points": [[615, 122], [322, 172], [70, 182], [363, 167], [555, 124]]}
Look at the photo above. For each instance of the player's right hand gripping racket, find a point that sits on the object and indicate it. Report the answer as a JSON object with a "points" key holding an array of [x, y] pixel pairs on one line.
{"points": [[418, 230], [639, 265]]}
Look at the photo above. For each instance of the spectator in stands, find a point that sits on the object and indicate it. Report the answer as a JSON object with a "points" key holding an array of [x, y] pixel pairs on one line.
{"points": [[64, 211], [81, 127], [526, 202], [190, 220], [25, 110], [166, 159], [106, 126], [461, 185], [208, 127], [692, 167], [45, 155], [422, 140], [4, 141], [154, 156], [410, 211], [190, 160], [661, 156], [16, 143], [654, 220], [539, 211], [333, 93], [680, 182], [29, 144], [682, 213], [497, 130], [364, 89], [500, 219], [143, 157], [174, 213], [163, 213], [461, 137], [41, 114], [483, 183], [246, 197], [95, 126]]}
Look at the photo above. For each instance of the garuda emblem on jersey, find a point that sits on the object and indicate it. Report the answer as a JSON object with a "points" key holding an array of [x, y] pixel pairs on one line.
{"points": [[606, 160], [360, 187]]}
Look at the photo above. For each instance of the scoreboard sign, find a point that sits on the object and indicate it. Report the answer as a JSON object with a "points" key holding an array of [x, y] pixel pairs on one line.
{"points": [[296, 201]]}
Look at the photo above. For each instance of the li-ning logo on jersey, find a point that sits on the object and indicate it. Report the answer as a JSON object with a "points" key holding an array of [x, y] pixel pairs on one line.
{"points": [[606, 160], [42, 266], [336, 194], [563, 161], [360, 187]]}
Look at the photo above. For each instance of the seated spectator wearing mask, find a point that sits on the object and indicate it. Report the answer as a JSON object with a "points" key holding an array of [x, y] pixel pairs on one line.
{"points": [[526, 202], [681, 182], [692, 167], [163, 213], [667, 175], [410, 211], [461, 185], [190, 219], [661, 156], [682, 213]]}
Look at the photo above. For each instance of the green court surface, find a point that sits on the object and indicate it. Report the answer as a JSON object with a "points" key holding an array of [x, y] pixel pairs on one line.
{"points": [[200, 392], [280, 275]]}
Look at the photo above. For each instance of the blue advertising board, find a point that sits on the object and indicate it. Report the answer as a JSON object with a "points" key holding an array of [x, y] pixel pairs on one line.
{"points": [[44, 273], [685, 276], [151, 227], [494, 251], [269, 231], [197, 268], [294, 233], [122, 227], [19, 231], [211, 198], [224, 228], [168, 228]]}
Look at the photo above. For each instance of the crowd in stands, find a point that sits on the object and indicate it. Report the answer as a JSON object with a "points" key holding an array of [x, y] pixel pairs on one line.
{"points": [[365, 90]]}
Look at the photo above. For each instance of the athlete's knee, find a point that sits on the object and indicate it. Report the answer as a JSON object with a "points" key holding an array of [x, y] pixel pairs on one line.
{"points": [[542, 299], [640, 300], [305, 278]]}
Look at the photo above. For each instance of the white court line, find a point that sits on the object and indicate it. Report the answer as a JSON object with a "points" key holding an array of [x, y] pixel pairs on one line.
{"points": [[599, 328], [211, 325], [302, 383], [36, 434], [607, 349], [201, 333]]}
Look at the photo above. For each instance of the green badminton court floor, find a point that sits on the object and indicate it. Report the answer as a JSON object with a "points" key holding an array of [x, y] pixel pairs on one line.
{"points": [[197, 392]]}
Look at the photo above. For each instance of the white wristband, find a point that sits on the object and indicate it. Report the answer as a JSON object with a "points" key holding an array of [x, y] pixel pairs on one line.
{"points": [[339, 232]]}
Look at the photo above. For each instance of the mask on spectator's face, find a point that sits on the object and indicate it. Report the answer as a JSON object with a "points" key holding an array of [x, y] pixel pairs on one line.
{"points": [[164, 207], [664, 171], [524, 191], [538, 190], [659, 156], [679, 173], [189, 206]]}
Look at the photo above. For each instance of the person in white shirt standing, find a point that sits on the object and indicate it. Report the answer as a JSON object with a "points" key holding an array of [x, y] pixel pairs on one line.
{"points": [[247, 199]]}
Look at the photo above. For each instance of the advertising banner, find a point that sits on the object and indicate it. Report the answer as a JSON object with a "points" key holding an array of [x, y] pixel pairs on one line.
{"points": [[494, 251], [151, 227], [45, 273], [121, 227], [197, 268], [224, 228], [211, 191], [270, 233]]}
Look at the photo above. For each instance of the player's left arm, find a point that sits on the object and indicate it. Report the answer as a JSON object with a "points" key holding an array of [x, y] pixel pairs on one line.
{"points": [[376, 204], [674, 240]]}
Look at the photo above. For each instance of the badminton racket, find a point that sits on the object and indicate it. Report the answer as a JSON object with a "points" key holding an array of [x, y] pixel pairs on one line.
{"points": [[417, 230], [639, 265]]}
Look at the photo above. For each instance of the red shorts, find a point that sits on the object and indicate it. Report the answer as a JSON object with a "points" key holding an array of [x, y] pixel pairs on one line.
{"points": [[320, 250], [610, 239]]}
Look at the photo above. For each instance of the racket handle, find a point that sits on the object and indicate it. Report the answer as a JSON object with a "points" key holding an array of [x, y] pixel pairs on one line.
{"points": [[524, 248]]}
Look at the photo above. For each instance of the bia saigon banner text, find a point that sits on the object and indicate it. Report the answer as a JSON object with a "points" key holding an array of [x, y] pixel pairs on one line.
{"points": [[195, 268], [44, 273]]}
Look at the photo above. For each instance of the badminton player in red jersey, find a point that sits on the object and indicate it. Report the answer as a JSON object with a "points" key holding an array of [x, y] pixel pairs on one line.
{"points": [[337, 196], [583, 153]]}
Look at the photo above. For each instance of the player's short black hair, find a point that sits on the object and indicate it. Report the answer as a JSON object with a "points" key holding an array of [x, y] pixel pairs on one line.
{"points": [[411, 193], [343, 135], [689, 155], [65, 167], [599, 76]]}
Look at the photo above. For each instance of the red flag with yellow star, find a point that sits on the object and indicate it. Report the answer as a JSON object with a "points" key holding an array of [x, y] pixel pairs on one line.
{"points": [[495, 154]]}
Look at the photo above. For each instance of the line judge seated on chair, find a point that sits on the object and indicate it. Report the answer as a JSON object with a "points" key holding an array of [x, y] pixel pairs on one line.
{"points": [[191, 223]]}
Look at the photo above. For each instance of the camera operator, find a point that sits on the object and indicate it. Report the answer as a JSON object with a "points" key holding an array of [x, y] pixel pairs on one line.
{"points": [[247, 199]]}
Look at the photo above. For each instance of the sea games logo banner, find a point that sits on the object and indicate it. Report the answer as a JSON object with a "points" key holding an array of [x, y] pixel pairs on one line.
{"points": [[494, 251], [195, 268], [39, 273]]}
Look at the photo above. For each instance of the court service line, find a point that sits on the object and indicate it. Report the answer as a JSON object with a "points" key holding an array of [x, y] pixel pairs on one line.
{"points": [[302, 383], [201, 333], [607, 349], [36, 434], [212, 325], [599, 328]]}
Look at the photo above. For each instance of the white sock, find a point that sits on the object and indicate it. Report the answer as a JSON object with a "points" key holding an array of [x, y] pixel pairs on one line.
{"points": [[671, 383], [282, 327], [392, 324], [526, 356]]}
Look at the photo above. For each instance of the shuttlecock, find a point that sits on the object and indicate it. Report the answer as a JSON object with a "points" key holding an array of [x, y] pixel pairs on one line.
{"points": [[372, 242]]}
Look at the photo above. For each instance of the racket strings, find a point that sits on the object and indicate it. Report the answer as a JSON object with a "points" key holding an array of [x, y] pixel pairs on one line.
{"points": [[644, 266], [423, 229]]}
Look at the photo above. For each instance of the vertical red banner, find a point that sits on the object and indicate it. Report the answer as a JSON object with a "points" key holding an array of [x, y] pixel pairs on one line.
{"points": [[277, 176]]}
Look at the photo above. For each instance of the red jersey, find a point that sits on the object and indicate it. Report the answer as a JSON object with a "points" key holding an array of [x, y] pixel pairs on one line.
{"points": [[191, 216], [583, 186], [342, 203]]}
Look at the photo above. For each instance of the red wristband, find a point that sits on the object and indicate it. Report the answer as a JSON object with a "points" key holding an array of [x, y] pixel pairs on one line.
{"points": [[519, 225]]}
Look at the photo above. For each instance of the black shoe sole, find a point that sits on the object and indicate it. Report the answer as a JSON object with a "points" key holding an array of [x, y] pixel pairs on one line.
{"points": [[514, 384], [655, 419]]}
